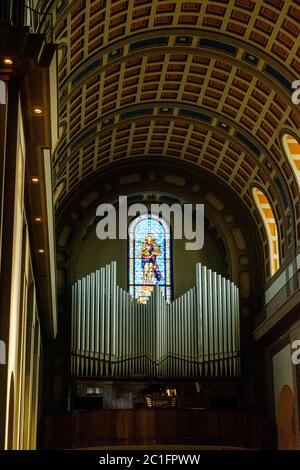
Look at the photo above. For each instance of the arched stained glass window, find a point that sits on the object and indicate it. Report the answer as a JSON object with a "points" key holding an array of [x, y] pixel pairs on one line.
{"points": [[149, 256]]}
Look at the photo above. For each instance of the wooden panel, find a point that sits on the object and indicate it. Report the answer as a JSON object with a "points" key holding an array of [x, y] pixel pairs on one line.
{"points": [[124, 425], [231, 428], [205, 425], [145, 425], [167, 425], [95, 426], [195, 425], [60, 431], [111, 427]]}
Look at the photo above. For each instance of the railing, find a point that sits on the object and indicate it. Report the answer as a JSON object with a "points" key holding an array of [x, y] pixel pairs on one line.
{"points": [[21, 13], [280, 298]]}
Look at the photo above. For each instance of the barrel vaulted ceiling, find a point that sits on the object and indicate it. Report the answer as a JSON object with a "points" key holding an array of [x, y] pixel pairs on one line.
{"points": [[207, 82]]}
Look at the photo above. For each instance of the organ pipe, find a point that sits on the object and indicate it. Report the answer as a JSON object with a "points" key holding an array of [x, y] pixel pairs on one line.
{"points": [[196, 335]]}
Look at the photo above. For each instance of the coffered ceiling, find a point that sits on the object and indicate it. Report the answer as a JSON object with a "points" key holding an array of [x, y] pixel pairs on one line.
{"points": [[207, 82]]}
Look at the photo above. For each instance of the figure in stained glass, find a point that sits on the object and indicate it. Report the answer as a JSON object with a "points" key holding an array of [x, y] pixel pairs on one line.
{"points": [[149, 256]]}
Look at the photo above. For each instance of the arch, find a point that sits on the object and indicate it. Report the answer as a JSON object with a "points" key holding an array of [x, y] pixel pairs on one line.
{"points": [[292, 149], [285, 419], [269, 222], [149, 255]]}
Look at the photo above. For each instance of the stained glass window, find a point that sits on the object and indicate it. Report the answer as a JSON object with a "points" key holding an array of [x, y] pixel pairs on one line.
{"points": [[149, 257]]}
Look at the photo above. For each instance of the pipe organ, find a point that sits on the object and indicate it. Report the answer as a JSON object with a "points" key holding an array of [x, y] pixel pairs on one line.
{"points": [[196, 335]]}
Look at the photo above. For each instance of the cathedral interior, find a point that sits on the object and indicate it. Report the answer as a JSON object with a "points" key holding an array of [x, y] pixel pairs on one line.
{"points": [[135, 340]]}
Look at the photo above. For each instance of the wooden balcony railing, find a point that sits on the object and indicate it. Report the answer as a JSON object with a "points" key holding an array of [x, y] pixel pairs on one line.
{"points": [[287, 292]]}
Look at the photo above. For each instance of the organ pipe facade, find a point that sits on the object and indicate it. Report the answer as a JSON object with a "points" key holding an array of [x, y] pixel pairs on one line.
{"points": [[196, 335]]}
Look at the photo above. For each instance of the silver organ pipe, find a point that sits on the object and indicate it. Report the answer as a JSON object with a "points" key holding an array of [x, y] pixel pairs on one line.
{"points": [[198, 334]]}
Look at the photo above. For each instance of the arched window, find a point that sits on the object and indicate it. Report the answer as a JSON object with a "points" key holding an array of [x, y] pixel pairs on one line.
{"points": [[149, 257], [268, 218], [292, 150]]}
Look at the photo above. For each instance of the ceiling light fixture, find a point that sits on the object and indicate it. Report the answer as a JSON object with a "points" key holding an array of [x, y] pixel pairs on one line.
{"points": [[37, 110], [35, 179], [8, 61], [38, 219], [41, 251]]}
